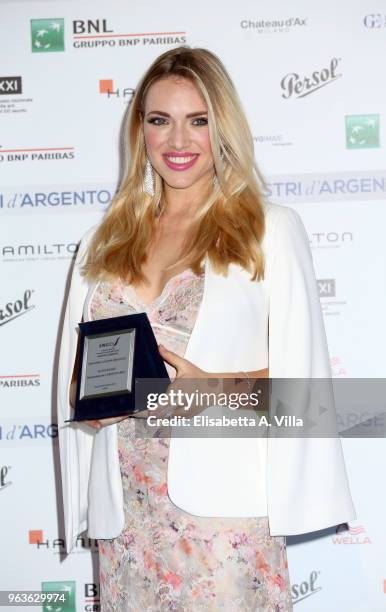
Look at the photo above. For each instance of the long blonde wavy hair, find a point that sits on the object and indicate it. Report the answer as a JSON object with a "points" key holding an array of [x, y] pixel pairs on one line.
{"points": [[229, 225]]}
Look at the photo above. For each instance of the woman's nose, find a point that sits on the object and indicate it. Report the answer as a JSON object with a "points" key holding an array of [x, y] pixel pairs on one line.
{"points": [[178, 137]]}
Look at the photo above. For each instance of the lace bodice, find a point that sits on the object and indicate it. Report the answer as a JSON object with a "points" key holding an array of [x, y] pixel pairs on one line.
{"points": [[172, 314]]}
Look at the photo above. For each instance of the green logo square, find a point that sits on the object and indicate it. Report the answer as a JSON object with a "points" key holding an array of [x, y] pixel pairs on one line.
{"points": [[362, 131], [67, 587], [47, 35]]}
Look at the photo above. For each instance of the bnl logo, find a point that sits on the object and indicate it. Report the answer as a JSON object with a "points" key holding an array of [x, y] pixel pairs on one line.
{"points": [[66, 588], [362, 131], [47, 35]]}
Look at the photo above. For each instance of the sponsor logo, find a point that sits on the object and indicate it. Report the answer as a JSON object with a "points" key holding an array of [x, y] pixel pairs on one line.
{"points": [[28, 431], [327, 240], [327, 187], [91, 597], [326, 287], [362, 131], [337, 367], [275, 140], [91, 27], [11, 88], [305, 589], [10, 85], [375, 21], [98, 33], [13, 310], [67, 587], [47, 35], [106, 87], [38, 251], [4, 482], [294, 85], [36, 154], [327, 290], [19, 381], [273, 26], [42, 200], [37, 538], [354, 535], [359, 423]]}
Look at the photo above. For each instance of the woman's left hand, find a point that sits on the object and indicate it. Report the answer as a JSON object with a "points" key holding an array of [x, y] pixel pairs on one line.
{"points": [[185, 368], [189, 379]]}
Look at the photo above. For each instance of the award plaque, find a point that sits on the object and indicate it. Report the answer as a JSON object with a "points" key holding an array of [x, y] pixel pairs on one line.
{"points": [[113, 354]]}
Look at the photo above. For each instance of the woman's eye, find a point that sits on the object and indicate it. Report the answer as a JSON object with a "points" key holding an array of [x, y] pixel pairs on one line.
{"points": [[202, 120], [156, 120], [161, 121]]}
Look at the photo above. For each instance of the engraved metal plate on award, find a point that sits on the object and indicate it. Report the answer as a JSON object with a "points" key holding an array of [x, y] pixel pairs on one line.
{"points": [[107, 366], [114, 354]]}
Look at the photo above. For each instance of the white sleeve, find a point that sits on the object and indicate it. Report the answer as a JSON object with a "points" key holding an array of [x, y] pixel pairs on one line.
{"points": [[297, 338], [307, 486], [75, 440]]}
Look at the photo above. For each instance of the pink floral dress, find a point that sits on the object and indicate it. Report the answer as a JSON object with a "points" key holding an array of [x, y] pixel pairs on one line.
{"points": [[166, 559]]}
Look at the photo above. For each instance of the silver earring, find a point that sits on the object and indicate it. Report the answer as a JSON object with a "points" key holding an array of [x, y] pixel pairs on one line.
{"points": [[148, 181]]}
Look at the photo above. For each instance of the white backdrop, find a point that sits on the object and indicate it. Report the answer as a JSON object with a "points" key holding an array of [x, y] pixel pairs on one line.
{"points": [[310, 75]]}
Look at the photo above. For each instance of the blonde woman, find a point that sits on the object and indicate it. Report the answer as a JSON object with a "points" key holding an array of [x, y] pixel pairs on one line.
{"points": [[228, 284]]}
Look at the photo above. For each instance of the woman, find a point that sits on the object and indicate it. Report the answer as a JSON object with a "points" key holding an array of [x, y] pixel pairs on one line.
{"points": [[228, 284]]}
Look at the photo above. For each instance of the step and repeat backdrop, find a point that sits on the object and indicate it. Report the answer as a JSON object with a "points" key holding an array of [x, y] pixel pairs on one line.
{"points": [[310, 76]]}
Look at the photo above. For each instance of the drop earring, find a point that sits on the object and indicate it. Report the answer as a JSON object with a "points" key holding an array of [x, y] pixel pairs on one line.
{"points": [[148, 181]]}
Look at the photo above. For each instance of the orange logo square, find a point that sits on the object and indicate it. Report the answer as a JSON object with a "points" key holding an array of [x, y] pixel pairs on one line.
{"points": [[35, 536], [105, 85]]}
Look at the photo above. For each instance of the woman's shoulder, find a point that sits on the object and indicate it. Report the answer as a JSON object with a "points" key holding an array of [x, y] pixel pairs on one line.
{"points": [[275, 212], [284, 229]]}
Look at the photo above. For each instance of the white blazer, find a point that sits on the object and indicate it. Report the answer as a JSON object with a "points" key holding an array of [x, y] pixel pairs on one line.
{"points": [[300, 484]]}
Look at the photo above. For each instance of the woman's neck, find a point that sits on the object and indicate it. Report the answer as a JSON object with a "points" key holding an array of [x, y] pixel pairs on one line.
{"points": [[177, 203]]}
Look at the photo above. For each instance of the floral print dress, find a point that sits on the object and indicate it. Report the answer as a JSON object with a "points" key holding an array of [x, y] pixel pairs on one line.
{"points": [[166, 559]]}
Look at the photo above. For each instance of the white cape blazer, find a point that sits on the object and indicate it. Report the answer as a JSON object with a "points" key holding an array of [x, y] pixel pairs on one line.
{"points": [[300, 484]]}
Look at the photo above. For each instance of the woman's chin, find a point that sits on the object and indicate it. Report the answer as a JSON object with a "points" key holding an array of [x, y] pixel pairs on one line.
{"points": [[179, 183], [185, 182]]}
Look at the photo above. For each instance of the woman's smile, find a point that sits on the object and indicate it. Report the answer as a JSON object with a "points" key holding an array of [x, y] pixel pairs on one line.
{"points": [[180, 161]]}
